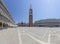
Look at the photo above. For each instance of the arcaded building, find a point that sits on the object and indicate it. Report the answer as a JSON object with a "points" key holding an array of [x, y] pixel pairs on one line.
{"points": [[47, 23], [5, 17]]}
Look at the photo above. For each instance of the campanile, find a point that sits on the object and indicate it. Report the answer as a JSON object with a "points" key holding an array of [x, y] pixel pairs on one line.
{"points": [[30, 17]]}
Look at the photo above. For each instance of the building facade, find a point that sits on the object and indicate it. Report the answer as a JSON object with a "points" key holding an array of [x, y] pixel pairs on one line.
{"points": [[30, 17], [5, 17], [47, 23]]}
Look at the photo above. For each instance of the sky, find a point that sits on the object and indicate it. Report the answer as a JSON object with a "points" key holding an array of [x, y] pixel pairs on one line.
{"points": [[42, 9]]}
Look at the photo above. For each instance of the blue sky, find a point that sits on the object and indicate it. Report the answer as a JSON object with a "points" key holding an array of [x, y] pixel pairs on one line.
{"points": [[42, 9]]}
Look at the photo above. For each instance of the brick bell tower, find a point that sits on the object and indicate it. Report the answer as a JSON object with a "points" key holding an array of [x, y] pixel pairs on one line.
{"points": [[30, 17]]}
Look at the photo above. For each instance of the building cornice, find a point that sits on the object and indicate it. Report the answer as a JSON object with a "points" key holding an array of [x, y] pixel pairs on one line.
{"points": [[6, 10]]}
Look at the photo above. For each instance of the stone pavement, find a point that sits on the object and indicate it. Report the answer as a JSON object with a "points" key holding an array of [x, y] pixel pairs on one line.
{"points": [[30, 35]]}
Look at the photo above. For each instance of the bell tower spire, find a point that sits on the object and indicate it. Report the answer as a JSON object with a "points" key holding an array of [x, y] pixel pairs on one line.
{"points": [[30, 6]]}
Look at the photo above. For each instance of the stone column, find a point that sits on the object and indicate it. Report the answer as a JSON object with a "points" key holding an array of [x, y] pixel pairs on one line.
{"points": [[2, 24]]}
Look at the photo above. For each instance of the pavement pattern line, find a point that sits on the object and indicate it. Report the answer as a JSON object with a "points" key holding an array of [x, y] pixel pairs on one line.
{"points": [[56, 34], [39, 41], [49, 38], [38, 35], [19, 36]]}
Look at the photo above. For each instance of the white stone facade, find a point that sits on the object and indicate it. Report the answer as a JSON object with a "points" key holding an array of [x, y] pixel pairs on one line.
{"points": [[5, 16]]}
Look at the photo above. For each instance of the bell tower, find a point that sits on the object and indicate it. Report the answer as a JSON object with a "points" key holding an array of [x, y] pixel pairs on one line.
{"points": [[30, 16]]}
